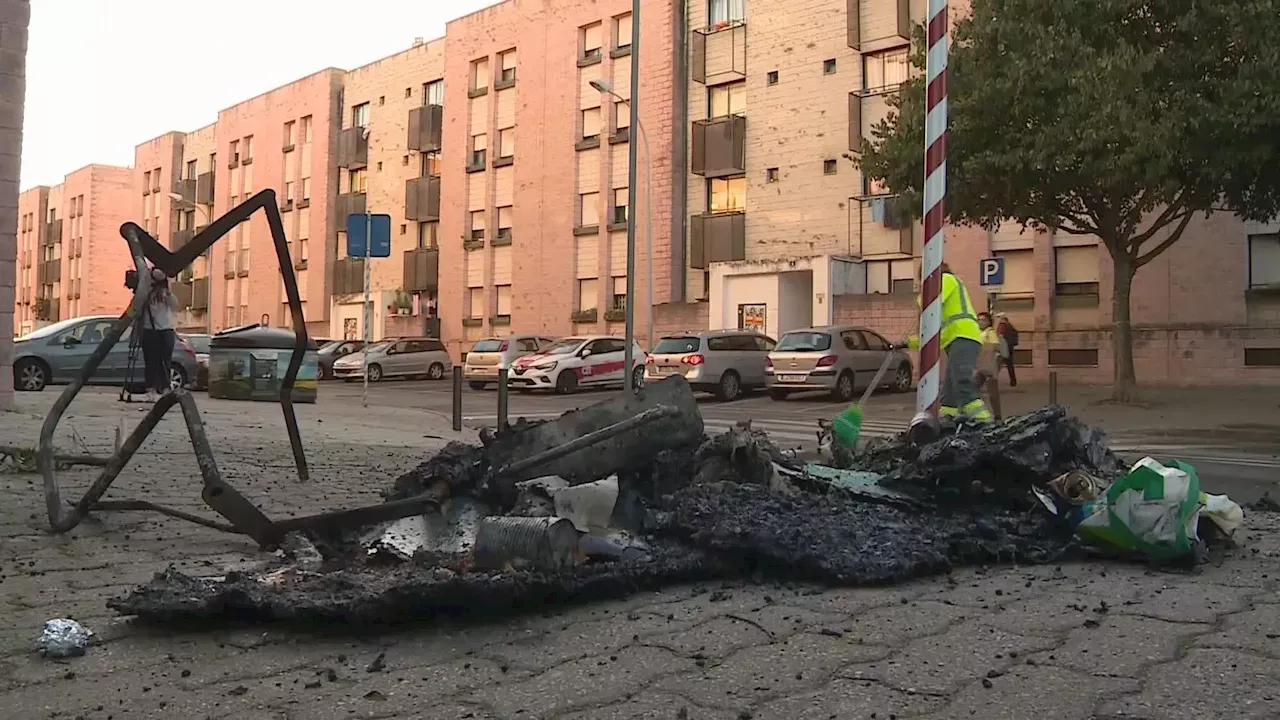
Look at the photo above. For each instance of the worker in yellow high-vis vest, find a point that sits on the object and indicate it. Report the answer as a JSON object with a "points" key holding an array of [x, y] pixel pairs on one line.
{"points": [[961, 340]]}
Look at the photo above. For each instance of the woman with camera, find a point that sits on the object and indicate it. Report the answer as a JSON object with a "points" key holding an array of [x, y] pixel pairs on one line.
{"points": [[158, 336]]}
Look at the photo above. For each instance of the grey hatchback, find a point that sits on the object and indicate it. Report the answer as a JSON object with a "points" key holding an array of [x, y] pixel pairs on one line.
{"points": [[54, 353], [836, 359], [725, 362]]}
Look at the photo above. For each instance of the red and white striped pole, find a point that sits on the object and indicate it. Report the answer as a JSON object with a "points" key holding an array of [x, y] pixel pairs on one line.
{"points": [[935, 191]]}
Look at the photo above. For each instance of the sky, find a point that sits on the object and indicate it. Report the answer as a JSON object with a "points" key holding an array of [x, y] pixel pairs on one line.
{"points": [[106, 75]]}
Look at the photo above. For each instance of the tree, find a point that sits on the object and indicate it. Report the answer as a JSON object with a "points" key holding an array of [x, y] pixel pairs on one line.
{"points": [[1122, 119]]}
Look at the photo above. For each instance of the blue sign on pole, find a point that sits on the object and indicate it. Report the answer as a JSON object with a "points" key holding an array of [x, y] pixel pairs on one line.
{"points": [[991, 271], [378, 226]]}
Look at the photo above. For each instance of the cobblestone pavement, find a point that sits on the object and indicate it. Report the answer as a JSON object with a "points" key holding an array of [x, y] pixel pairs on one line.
{"points": [[1076, 641]]}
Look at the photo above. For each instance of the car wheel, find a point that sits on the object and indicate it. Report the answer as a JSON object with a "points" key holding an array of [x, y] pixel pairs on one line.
{"points": [[902, 381], [637, 378], [843, 391], [30, 375], [476, 385], [778, 394], [566, 382], [177, 377], [730, 387], [435, 372], [375, 373]]}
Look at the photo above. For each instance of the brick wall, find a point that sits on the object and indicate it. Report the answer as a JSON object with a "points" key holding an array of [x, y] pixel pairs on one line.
{"points": [[15, 16], [678, 317]]}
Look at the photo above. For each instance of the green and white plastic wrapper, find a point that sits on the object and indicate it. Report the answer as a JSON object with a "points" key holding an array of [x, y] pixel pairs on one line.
{"points": [[1154, 509]]}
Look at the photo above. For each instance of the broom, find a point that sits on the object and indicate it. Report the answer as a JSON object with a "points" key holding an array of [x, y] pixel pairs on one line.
{"points": [[846, 427]]}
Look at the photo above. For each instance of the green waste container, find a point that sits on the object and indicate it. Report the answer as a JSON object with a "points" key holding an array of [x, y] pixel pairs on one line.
{"points": [[248, 363]]}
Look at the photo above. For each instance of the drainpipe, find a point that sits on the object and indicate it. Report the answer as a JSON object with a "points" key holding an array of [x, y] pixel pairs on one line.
{"points": [[679, 150]]}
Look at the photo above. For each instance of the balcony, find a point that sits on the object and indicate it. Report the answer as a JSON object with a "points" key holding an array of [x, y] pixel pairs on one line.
{"points": [[885, 225], [180, 238], [349, 204], [182, 291], [720, 53], [51, 232], [719, 146], [717, 237], [49, 272], [876, 15], [424, 128], [421, 270], [200, 294], [422, 199], [46, 309], [204, 188], [348, 276], [353, 148], [186, 188]]}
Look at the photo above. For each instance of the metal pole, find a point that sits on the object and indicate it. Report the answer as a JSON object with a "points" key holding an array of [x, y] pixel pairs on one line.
{"points": [[648, 233], [1053, 387], [628, 358], [504, 398], [368, 314], [457, 398]]}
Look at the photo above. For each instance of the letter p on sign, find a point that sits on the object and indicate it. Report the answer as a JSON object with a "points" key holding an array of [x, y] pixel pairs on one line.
{"points": [[991, 271]]}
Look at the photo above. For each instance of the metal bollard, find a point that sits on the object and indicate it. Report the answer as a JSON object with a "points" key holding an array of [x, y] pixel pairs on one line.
{"points": [[504, 397], [1053, 387], [457, 398]]}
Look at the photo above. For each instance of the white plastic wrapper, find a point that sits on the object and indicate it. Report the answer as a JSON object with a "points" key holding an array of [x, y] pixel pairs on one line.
{"points": [[64, 638]]}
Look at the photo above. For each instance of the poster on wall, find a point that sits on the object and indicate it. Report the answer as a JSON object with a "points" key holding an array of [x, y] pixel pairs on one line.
{"points": [[349, 331], [752, 317]]}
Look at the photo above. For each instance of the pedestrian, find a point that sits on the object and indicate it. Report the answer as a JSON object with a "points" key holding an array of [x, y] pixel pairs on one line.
{"points": [[987, 373], [961, 341], [1008, 342], [158, 336]]}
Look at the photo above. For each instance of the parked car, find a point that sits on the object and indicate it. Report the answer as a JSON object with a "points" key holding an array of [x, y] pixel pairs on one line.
{"points": [[55, 353], [574, 362], [488, 355], [330, 351], [402, 357], [725, 362], [200, 343], [837, 359]]}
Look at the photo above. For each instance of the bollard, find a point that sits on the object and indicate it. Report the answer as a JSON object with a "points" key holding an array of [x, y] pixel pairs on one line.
{"points": [[1053, 387], [503, 398], [457, 398]]}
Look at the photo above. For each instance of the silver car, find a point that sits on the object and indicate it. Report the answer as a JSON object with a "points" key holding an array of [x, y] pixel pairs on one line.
{"points": [[402, 357], [55, 353], [724, 362], [836, 359], [488, 355]]}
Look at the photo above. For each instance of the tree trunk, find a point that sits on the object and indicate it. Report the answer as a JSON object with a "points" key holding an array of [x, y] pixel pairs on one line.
{"points": [[1126, 384]]}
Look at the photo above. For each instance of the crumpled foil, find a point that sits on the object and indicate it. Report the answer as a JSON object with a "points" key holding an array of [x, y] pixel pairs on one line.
{"points": [[64, 638]]}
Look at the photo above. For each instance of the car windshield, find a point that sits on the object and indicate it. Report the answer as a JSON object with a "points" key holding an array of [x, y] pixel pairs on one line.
{"points": [[676, 346], [375, 347], [51, 330], [199, 343], [804, 342], [563, 347], [329, 347], [487, 345]]}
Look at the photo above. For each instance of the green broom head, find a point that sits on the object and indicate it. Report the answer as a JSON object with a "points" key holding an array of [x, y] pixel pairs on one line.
{"points": [[847, 427]]}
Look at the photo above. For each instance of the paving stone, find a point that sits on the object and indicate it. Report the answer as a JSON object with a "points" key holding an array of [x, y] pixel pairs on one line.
{"points": [[651, 706], [1209, 683], [1120, 645], [1257, 630], [985, 589], [714, 638], [763, 672], [853, 601], [584, 638], [784, 620], [1050, 613], [849, 699], [708, 604], [1033, 692], [897, 624], [1189, 602]]}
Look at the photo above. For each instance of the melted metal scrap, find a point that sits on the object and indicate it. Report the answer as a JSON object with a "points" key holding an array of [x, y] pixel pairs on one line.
{"points": [[64, 638]]}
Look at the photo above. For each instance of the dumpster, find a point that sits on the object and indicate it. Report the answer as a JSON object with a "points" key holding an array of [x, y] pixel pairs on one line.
{"points": [[248, 363]]}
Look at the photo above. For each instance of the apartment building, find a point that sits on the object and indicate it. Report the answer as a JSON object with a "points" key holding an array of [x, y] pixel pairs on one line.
{"points": [[71, 259], [15, 15]]}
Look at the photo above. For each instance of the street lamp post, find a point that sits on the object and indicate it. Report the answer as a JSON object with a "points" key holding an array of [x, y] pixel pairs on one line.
{"points": [[183, 202], [605, 88], [368, 260]]}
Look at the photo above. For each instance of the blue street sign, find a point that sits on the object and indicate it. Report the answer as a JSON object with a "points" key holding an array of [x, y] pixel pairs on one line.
{"points": [[379, 227], [991, 271]]}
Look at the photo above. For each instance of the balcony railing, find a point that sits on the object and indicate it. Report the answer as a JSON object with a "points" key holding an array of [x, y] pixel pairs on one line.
{"points": [[200, 294], [853, 22], [349, 204], [421, 269], [49, 272], [719, 146], [717, 237], [424, 127], [182, 291], [204, 188], [348, 276], [186, 188], [719, 53], [353, 148], [51, 232], [422, 199]]}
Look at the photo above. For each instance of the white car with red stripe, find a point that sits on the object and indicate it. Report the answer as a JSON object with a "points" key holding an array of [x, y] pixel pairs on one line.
{"points": [[574, 362]]}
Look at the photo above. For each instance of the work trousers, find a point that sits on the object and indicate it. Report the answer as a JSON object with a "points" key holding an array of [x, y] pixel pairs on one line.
{"points": [[960, 392], [157, 354], [1007, 362]]}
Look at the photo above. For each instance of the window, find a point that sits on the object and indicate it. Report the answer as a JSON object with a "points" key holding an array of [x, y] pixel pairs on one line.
{"points": [[306, 188], [505, 215], [591, 124], [428, 234], [507, 143], [503, 293], [829, 167], [619, 216], [727, 194], [829, 66], [235, 151], [591, 41], [507, 64], [728, 99], [247, 148], [771, 175], [724, 12], [588, 294], [480, 74], [771, 78], [622, 31], [621, 114], [192, 171], [305, 130], [1076, 271], [478, 147], [360, 115], [588, 209], [288, 133], [853, 340], [429, 164], [288, 191], [476, 225], [433, 93], [895, 277], [475, 302], [146, 180], [618, 295], [885, 70], [1264, 260], [357, 181]]}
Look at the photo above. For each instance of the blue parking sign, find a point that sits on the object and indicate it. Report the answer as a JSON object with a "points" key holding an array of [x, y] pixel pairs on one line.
{"points": [[991, 271]]}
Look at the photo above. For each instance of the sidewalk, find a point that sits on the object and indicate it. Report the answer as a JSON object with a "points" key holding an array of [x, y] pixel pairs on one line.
{"points": [[1072, 642]]}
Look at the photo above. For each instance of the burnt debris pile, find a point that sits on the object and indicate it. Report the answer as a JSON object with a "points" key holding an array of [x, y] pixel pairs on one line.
{"points": [[523, 528]]}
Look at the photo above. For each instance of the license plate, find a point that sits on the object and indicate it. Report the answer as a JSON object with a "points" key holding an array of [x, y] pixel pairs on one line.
{"points": [[665, 370], [791, 378]]}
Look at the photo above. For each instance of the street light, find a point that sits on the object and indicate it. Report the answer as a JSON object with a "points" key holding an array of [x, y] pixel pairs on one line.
{"points": [[368, 260], [604, 87], [183, 202]]}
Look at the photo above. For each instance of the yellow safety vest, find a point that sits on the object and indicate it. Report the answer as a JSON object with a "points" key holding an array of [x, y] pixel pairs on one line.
{"points": [[958, 318]]}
